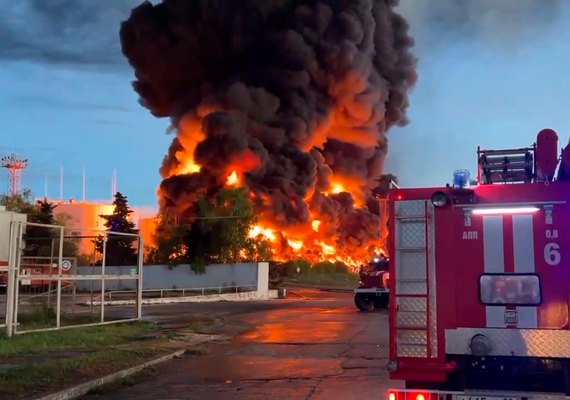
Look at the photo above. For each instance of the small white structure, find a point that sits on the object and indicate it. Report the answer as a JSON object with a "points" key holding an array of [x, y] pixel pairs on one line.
{"points": [[6, 218]]}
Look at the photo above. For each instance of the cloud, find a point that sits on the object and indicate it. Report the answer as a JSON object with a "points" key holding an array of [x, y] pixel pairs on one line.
{"points": [[59, 103], [496, 23], [64, 31]]}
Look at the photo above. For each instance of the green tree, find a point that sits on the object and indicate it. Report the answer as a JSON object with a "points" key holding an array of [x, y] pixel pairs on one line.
{"points": [[220, 231], [21, 203], [169, 247], [40, 239], [119, 249]]}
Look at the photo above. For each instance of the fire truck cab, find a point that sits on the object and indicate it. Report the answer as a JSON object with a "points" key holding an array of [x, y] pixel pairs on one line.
{"points": [[480, 280]]}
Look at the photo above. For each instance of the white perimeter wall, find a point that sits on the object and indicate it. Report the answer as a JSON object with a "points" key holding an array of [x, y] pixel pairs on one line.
{"points": [[182, 277]]}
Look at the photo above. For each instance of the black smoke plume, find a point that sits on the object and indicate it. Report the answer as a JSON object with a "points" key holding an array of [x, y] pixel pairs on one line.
{"points": [[304, 89]]}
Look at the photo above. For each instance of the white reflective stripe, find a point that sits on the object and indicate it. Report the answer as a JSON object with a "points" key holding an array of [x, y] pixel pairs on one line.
{"points": [[493, 244], [494, 262], [523, 242]]}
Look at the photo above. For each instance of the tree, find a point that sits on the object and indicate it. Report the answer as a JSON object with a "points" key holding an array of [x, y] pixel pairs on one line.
{"points": [[40, 239], [169, 245], [220, 233], [21, 203], [119, 249]]}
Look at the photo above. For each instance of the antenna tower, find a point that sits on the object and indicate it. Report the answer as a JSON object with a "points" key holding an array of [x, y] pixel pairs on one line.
{"points": [[14, 165]]}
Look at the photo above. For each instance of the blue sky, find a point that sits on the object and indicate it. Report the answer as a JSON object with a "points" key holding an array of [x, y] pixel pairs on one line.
{"points": [[487, 76]]}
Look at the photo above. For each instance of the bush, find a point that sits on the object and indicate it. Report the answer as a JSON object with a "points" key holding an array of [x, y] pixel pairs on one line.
{"points": [[341, 267], [323, 267], [327, 267], [300, 265]]}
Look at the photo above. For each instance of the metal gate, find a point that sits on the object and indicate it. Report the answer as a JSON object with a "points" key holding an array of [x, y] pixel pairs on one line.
{"points": [[415, 322], [18, 276]]}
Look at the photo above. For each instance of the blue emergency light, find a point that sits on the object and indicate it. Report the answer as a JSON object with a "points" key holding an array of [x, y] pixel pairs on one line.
{"points": [[461, 179]]}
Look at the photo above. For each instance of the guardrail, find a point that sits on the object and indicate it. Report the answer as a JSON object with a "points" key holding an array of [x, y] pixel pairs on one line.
{"points": [[182, 292]]}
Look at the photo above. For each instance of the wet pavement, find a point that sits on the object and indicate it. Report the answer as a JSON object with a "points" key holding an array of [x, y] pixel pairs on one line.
{"points": [[312, 345]]}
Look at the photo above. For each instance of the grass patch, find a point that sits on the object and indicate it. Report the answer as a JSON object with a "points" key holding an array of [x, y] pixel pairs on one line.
{"points": [[45, 317], [335, 280], [41, 377], [37, 363], [87, 338]]}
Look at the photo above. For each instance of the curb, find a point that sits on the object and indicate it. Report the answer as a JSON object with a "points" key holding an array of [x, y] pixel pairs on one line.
{"points": [[83, 388], [323, 289], [246, 296]]}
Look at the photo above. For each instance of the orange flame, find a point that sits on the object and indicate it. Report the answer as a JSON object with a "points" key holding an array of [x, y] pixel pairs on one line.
{"points": [[328, 250], [311, 240], [265, 232], [337, 188], [316, 224], [295, 244], [353, 185], [233, 179]]}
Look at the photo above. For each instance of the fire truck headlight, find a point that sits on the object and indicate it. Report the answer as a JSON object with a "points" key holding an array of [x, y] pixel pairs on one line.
{"points": [[439, 199], [480, 345]]}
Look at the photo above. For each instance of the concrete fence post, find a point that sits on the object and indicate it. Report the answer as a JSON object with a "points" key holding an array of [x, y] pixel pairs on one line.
{"points": [[263, 278]]}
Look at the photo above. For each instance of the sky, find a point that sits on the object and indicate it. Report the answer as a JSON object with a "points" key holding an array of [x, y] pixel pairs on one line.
{"points": [[490, 73]]}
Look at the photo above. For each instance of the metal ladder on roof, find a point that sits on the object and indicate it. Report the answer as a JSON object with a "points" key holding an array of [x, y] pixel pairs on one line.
{"points": [[506, 166], [412, 291]]}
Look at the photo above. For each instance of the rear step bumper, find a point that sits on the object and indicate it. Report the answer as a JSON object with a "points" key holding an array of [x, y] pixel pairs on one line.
{"points": [[428, 370]]}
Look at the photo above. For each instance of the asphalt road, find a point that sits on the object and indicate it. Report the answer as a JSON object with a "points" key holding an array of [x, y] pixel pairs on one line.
{"points": [[312, 345]]}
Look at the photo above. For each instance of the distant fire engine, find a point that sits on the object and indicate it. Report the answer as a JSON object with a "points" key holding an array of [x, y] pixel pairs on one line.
{"points": [[372, 291], [373, 278], [480, 280]]}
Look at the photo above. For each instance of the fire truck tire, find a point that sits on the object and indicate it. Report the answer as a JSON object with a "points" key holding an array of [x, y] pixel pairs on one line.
{"points": [[381, 301], [364, 301], [566, 372]]}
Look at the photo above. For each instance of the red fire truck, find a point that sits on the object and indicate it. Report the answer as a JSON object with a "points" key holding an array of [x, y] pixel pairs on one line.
{"points": [[373, 280], [480, 280]]}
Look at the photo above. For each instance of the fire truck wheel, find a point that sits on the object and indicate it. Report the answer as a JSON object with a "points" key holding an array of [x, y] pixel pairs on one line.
{"points": [[566, 372], [381, 301], [364, 301]]}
